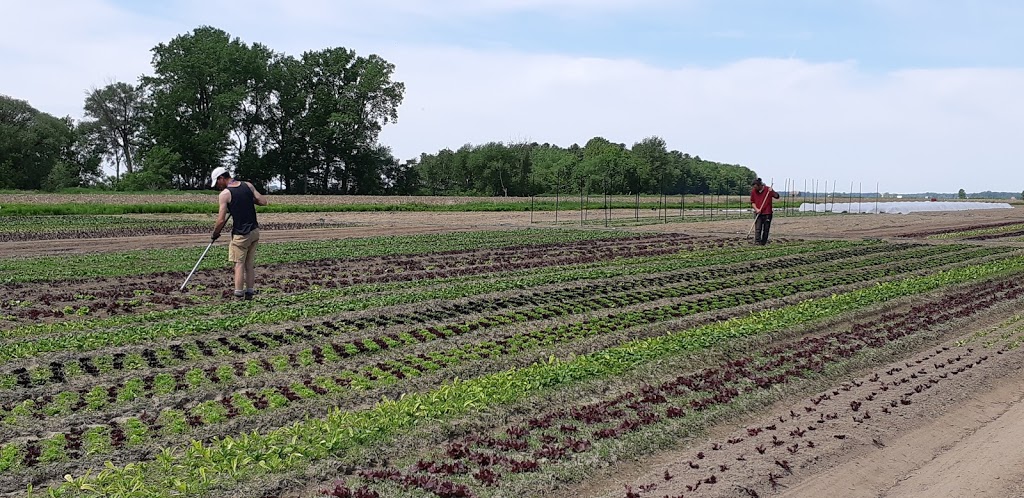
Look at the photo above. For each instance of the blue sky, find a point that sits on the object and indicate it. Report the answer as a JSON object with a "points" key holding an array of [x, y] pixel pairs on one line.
{"points": [[916, 95]]}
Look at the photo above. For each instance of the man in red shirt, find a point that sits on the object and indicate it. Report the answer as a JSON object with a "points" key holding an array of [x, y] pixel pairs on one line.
{"points": [[761, 200]]}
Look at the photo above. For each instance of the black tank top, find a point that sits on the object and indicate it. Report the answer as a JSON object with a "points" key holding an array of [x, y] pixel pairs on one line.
{"points": [[243, 209]]}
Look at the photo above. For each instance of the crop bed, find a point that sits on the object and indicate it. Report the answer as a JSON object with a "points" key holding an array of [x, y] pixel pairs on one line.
{"points": [[1003, 230], [118, 385], [24, 228]]}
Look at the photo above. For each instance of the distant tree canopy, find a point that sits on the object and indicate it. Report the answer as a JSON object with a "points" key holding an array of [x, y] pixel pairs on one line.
{"points": [[41, 152], [310, 123], [599, 166]]}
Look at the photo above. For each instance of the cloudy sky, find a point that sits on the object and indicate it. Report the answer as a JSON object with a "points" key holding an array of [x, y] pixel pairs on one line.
{"points": [[915, 95]]}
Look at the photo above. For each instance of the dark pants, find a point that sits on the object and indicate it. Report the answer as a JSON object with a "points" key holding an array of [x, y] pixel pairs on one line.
{"points": [[761, 227]]}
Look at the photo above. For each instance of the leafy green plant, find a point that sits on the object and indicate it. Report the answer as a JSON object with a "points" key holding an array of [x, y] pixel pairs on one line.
{"points": [[96, 398], [96, 440], [54, 449], [164, 383], [10, 457]]}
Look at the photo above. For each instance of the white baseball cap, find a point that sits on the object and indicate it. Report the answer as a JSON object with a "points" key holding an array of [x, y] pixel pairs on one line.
{"points": [[219, 170]]}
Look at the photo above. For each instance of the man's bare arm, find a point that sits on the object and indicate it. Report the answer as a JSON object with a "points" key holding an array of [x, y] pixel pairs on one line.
{"points": [[222, 214], [261, 200]]}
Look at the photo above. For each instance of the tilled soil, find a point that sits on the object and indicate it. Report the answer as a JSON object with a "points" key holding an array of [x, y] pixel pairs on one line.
{"points": [[369, 224], [945, 422]]}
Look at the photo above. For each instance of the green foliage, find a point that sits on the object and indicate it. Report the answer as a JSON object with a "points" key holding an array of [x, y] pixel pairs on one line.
{"points": [[164, 383], [32, 145], [117, 122], [135, 431], [961, 194], [173, 421], [96, 440], [10, 457], [54, 449], [96, 398], [158, 168], [524, 169]]}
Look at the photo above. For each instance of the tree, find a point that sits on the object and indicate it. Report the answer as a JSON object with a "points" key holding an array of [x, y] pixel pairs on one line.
{"points": [[401, 178], [117, 113], [654, 169], [961, 194], [251, 138], [158, 166], [81, 160], [602, 165], [199, 83], [32, 143], [552, 165], [343, 102], [437, 172]]}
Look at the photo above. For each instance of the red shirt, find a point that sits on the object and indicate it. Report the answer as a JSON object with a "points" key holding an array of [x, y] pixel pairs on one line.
{"points": [[757, 198]]}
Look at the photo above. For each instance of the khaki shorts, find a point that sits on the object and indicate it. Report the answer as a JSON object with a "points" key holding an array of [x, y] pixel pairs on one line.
{"points": [[242, 246]]}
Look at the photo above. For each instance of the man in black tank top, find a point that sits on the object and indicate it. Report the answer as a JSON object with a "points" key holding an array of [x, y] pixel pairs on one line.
{"points": [[240, 199]]}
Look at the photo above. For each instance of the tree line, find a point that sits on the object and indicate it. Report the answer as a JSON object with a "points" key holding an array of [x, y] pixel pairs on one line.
{"points": [[600, 165], [309, 124]]}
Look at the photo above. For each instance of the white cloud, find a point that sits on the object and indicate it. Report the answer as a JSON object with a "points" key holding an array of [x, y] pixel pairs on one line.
{"points": [[53, 51], [911, 130]]}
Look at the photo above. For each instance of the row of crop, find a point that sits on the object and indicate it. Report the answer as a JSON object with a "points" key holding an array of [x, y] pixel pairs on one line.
{"points": [[826, 416], [998, 230], [485, 457], [940, 232], [1014, 235], [21, 224], [321, 303], [177, 228], [104, 396], [193, 468], [576, 299], [109, 395], [227, 407], [164, 205], [158, 261], [117, 298], [449, 288]]}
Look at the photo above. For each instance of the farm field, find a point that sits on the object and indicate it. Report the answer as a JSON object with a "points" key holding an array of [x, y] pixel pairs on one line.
{"points": [[480, 354]]}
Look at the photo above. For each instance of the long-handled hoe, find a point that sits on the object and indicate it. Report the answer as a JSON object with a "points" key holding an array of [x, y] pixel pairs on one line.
{"points": [[196, 267]]}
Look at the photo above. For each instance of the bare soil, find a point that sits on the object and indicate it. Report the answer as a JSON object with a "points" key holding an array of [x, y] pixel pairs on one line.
{"points": [[369, 224], [958, 436]]}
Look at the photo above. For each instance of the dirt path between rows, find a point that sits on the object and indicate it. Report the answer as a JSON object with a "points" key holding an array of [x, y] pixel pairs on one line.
{"points": [[945, 422], [369, 224], [973, 450]]}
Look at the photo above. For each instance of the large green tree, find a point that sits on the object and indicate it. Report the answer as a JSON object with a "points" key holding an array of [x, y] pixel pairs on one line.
{"points": [[115, 117], [33, 143], [199, 83], [337, 109]]}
